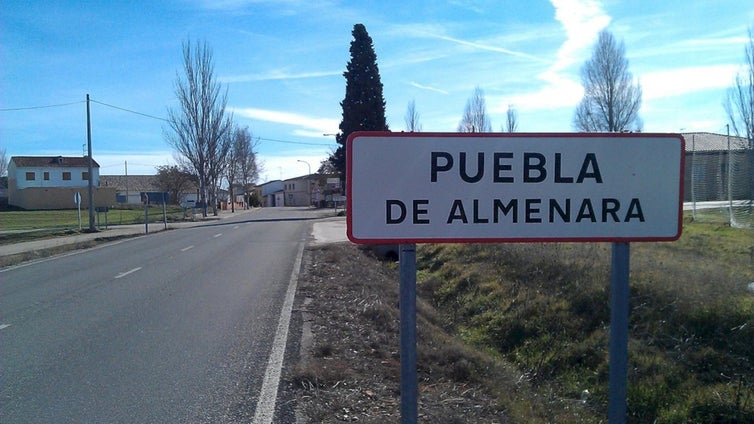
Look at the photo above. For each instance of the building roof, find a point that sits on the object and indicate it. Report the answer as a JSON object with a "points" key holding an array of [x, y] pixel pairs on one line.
{"points": [[303, 177], [133, 183], [710, 142], [53, 161], [269, 182]]}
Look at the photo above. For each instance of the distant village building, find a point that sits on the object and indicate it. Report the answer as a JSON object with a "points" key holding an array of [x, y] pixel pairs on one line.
{"points": [[715, 164], [52, 182], [272, 194], [135, 189], [298, 191]]}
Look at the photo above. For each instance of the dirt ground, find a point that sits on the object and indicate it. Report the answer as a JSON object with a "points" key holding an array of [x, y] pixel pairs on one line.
{"points": [[348, 366]]}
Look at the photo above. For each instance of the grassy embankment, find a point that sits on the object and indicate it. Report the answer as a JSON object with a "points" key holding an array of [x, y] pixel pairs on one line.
{"points": [[42, 224], [545, 308]]}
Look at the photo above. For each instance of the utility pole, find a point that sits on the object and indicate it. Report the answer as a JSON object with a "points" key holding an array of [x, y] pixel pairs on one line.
{"points": [[89, 166]]}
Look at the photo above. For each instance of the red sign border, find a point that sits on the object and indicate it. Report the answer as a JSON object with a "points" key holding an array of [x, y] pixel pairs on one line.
{"points": [[412, 240]]}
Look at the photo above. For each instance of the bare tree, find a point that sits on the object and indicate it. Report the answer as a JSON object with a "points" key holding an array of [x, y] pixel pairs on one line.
{"points": [[412, 118], [740, 104], [611, 99], [740, 108], [199, 124], [511, 120], [242, 169], [174, 180], [475, 115]]}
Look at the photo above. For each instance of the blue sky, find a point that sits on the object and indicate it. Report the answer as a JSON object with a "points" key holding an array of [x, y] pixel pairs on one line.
{"points": [[282, 63]]}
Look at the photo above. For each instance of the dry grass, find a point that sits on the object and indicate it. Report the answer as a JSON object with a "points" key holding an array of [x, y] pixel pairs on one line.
{"points": [[545, 308], [354, 316]]}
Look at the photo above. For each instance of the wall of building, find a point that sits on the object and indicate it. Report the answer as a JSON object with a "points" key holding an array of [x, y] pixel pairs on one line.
{"points": [[37, 198], [297, 191], [55, 176]]}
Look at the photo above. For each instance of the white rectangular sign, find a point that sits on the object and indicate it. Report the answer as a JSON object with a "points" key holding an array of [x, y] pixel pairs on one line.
{"points": [[488, 187]]}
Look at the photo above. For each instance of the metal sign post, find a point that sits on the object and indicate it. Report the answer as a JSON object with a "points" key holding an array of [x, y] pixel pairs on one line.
{"points": [[145, 201], [409, 379], [164, 211], [618, 355], [77, 200]]}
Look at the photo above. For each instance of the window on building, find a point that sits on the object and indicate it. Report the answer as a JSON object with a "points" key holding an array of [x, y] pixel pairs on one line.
{"points": [[66, 176], [30, 176], [85, 176], [47, 176]]}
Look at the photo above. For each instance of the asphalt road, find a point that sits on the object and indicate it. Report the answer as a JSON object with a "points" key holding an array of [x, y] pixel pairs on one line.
{"points": [[172, 327]]}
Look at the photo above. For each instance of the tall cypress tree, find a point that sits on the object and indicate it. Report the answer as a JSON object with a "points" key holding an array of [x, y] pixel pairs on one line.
{"points": [[364, 105]]}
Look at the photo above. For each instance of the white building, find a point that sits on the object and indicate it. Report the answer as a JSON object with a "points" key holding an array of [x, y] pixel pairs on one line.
{"points": [[45, 182]]}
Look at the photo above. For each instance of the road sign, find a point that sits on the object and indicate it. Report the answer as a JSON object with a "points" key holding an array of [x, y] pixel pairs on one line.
{"points": [[77, 198], [487, 187]]}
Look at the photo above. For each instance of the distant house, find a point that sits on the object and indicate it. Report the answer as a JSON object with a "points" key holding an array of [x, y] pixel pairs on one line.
{"points": [[272, 193], [133, 189], [708, 159], [51, 182], [299, 190], [311, 190]]}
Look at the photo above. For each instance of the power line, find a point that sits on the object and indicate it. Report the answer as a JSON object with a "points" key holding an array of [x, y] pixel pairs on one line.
{"points": [[163, 119], [41, 107], [157, 118], [130, 111]]}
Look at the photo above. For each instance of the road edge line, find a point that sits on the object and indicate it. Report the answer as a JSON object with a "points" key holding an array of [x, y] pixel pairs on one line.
{"points": [[265, 410]]}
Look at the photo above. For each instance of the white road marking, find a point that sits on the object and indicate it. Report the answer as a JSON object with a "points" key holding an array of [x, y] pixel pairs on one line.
{"points": [[236, 227], [123, 274], [187, 248], [218, 235], [265, 410], [4, 326]]}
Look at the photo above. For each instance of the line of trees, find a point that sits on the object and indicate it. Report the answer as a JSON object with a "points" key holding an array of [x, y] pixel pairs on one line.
{"points": [[213, 147], [611, 101]]}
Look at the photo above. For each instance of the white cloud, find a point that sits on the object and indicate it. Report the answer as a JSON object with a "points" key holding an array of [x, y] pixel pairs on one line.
{"points": [[437, 51], [313, 126], [290, 165], [427, 87], [277, 74], [582, 20], [676, 82], [488, 47], [558, 94]]}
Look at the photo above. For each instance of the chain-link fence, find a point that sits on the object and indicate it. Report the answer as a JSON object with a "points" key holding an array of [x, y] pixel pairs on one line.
{"points": [[719, 179]]}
